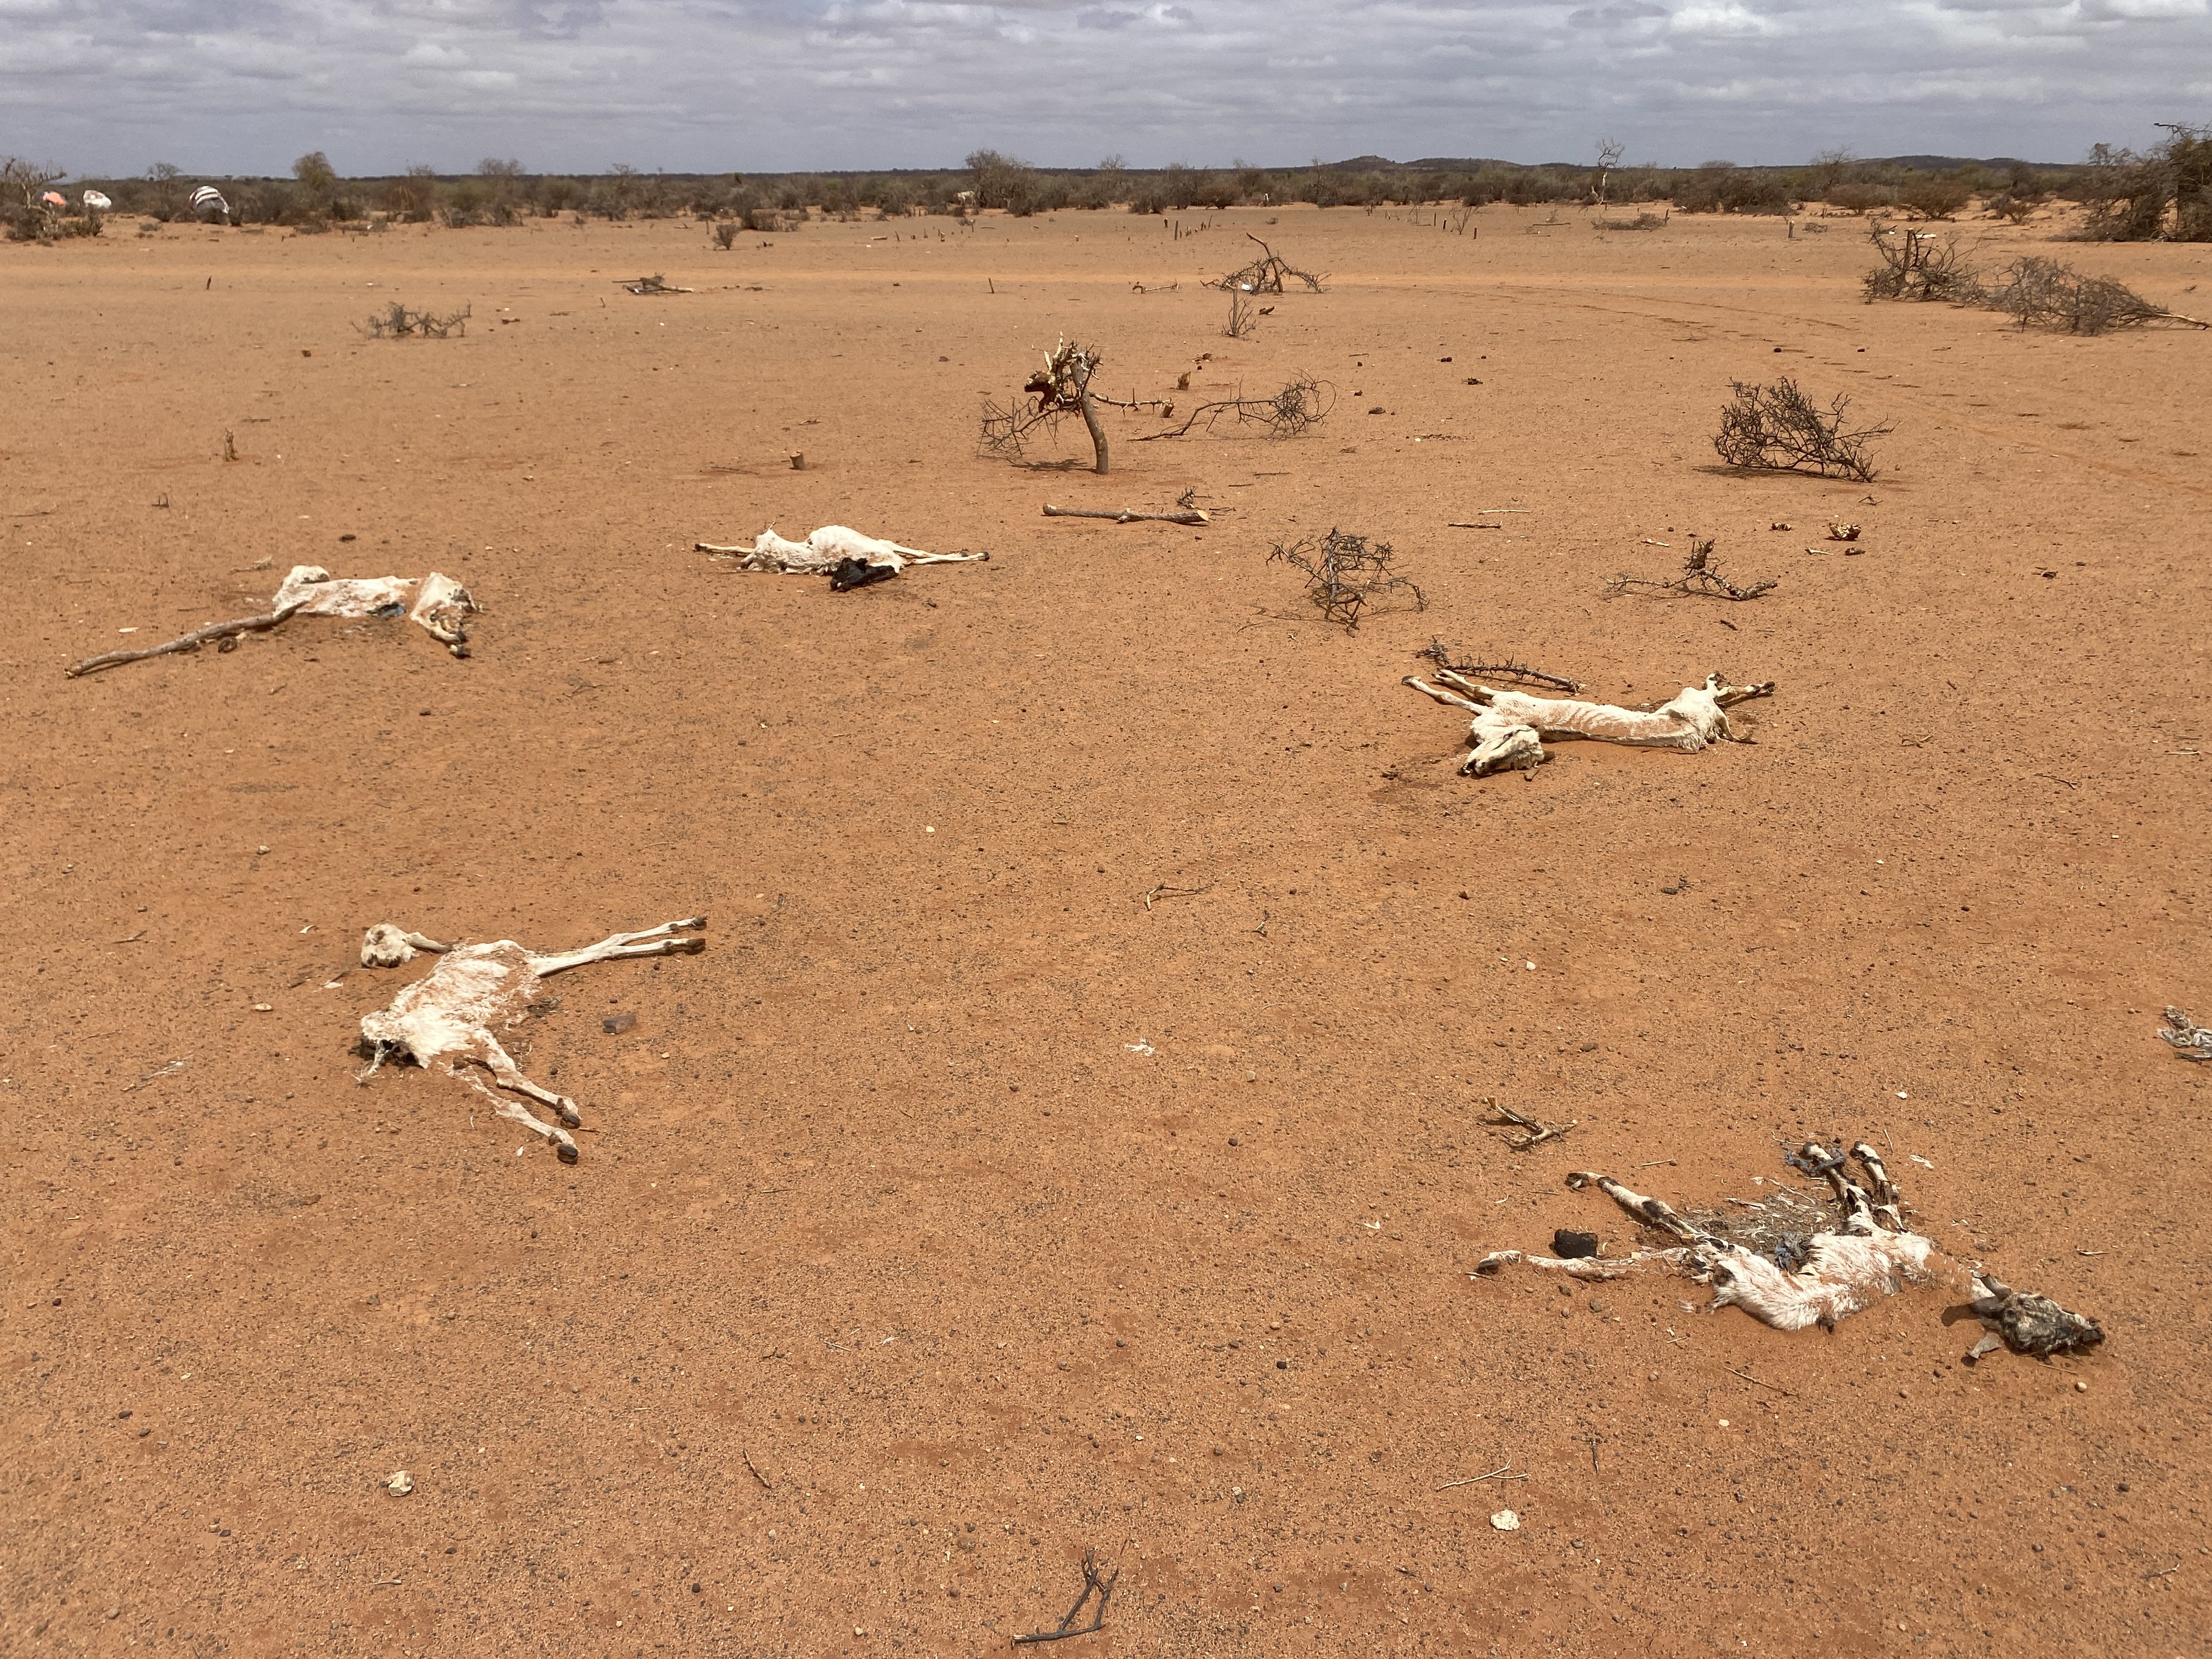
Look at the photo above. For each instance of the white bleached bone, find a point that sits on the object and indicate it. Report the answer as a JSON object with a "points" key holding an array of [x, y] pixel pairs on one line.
{"points": [[2191, 1039], [825, 549], [1871, 1255], [452, 1013], [1510, 727]]}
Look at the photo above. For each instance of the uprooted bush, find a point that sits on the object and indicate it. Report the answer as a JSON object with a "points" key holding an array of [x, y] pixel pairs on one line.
{"points": [[1778, 428], [397, 322], [1346, 573], [2042, 293]]}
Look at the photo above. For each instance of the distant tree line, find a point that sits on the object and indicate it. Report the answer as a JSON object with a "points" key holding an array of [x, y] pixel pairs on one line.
{"points": [[2165, 193]]}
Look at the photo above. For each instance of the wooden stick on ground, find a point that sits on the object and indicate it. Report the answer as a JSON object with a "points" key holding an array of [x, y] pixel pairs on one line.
{"points": [[191, 641], [1189, 515]]}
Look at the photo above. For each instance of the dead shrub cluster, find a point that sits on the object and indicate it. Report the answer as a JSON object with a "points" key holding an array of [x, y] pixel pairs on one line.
{"points": [[397, 322], [1778, 428], [2036, 292], [1345, 573]]}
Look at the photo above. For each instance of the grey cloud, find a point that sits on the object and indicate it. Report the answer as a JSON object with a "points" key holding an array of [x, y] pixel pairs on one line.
{"points": [[243, 86]]}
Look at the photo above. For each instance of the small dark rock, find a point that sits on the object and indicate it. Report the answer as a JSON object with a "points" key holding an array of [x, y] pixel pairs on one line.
{"points": [[1573, 1246]]}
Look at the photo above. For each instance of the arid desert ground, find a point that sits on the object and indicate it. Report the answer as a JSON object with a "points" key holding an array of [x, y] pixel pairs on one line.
{"points": [[959, 1211]]}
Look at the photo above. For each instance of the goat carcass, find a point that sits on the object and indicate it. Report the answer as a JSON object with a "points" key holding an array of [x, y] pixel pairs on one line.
{"points": [[825, 549], [452, 1013], [1510, 727], [1871, 1255]]}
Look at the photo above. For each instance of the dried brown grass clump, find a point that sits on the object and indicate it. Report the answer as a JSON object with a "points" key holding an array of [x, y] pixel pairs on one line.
{"points": [[396, 322]]}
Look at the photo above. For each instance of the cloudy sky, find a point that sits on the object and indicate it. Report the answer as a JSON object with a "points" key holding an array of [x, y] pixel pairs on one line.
{"points": [[223, 87]]}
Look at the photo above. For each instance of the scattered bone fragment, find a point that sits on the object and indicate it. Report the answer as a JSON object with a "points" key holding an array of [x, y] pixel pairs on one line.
{"points": [[825, 550], [2191, 1039], [399, 1484], [1870, 1256], [1510, 727], [1842, 532], [452, 1014]]}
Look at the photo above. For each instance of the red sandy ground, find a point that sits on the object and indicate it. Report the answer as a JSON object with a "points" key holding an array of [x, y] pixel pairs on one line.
{"points": [[895, 1275]]}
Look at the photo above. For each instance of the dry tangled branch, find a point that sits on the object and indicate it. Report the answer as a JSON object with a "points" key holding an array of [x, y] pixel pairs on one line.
{"points": [[1265, 275], [1346, 573], [1243, 315], [1778, 428], [1917, 265], [396, 321], [655, 283], [2042, 292], [1698, 577], [1288, 413], [1061, 388], [1441, 652]]}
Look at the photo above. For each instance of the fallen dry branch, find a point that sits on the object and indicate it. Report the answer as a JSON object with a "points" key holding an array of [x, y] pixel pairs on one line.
{"points": [[1093, 1582], [1538, 1133], [1127, 515], [1778, 428], [1845, 1270], [655, 283], [1699, 579], [1304, 401], [1265, 275], [191, 641], [1346, 573], [2043, 293], [1439, 652]]}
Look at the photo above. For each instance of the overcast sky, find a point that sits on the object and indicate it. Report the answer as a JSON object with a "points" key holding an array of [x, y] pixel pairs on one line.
{"points": [[223, 87]]}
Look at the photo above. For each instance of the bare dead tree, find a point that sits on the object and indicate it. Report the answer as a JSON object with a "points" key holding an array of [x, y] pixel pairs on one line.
{"points": [[1778, 428], [1299, 405], [1445, 654], [396, 321], [1345, 573], [1061, 388], [1265, 275], [1609, 152], [1699, 579]]}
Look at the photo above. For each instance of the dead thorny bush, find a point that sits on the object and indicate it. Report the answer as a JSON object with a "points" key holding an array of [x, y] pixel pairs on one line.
{"points": [[1916, 265], [1265, 275], [1243, 315], [1445, 654], [1699, 579], [397, 321], [2042, 292], [1345, 573], [1777, 429]]}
